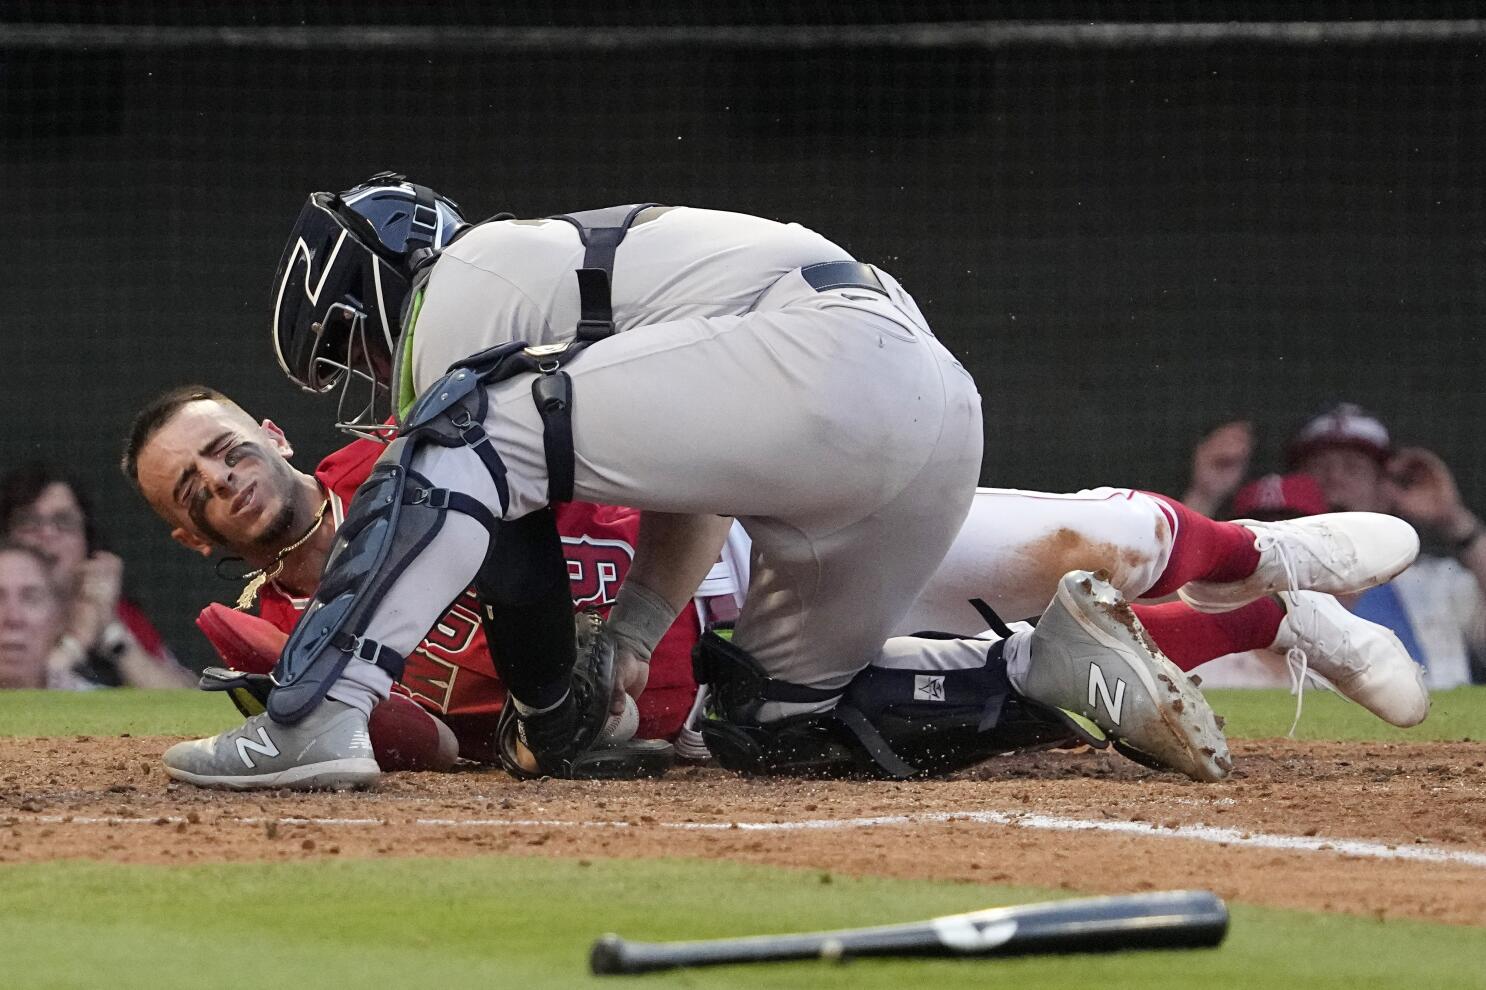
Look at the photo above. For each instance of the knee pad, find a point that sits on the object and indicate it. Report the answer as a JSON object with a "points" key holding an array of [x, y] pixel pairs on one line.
{"points": [[802, 746], [839, 742], [739, 686], [395, 514], [528, 609]]}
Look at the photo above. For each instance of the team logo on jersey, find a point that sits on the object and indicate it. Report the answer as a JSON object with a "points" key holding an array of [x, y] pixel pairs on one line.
{"points": [[1099, 690], [456, 628], [595, 568], [263, 746], [928, 687], [430, 679]]}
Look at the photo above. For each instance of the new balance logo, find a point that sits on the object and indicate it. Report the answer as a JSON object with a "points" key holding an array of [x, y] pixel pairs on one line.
{"points": [[265, 746], [1099, 688], [927, 688]]}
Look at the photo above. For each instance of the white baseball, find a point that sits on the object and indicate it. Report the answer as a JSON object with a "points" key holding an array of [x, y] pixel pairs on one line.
{"points": [[621, 728]]}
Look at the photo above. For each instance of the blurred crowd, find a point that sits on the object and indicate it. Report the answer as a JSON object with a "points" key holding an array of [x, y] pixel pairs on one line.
{"points": [[1344, 460], [66, 621]]}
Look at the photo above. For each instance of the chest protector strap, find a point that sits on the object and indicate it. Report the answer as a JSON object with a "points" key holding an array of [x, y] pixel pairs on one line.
{"points": [[601, 232]]}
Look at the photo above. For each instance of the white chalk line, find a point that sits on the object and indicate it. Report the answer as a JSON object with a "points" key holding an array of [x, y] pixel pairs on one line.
{"points": [[1050, 823]]}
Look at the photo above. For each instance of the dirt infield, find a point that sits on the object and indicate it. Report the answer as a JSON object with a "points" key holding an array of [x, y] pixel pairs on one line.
{"points": [[1274, 834]]}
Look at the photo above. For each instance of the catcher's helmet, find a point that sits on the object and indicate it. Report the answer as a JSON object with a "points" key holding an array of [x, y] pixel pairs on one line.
{"points": [[345, 274]]}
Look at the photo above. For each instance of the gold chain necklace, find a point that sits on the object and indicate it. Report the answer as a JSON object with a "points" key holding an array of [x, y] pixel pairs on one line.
{"points": [[257, 579]]}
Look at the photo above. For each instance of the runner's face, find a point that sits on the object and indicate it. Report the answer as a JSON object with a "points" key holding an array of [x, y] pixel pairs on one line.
{"points": [[213, 473]]}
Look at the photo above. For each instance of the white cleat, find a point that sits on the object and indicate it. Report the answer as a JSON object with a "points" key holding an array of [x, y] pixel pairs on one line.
{"points": [[1336, 553], [1362, 660]]}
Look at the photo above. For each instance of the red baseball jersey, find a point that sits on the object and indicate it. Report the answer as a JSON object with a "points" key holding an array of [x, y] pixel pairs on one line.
{"points": [[450, 673]]}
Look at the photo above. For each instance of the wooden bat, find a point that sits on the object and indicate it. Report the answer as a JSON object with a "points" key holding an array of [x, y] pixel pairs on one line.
{"points": [[1177, 919]]}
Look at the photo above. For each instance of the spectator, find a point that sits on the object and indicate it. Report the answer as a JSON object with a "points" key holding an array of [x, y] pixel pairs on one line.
{"points": [[1279, 496], [30, 617], [105, 639], [1437, 606], [1220, 461]]}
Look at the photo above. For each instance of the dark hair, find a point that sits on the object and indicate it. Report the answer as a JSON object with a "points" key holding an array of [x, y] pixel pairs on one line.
{"points": [[26, 550], [156, 413], [22, 486]]}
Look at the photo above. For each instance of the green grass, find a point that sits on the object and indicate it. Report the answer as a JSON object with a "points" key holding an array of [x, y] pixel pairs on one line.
{"points": [[1454, 715], [112, 713], [498, 922], [509, 922], [1458, 714]]}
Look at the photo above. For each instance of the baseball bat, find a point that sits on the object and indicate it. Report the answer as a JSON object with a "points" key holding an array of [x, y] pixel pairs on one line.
{"points": [[1177, 919]]}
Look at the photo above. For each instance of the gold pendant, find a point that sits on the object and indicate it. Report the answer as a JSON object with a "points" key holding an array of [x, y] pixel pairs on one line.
{"points": [[250, 591]]}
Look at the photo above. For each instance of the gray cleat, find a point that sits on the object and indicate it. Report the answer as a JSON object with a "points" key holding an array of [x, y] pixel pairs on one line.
{"points": [[1090, 655], [329, 750]]}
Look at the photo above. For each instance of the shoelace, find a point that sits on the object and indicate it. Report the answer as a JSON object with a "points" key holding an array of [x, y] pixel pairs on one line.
{"points": [[1265, 542], [1297, 660], [1299, 665], [1321, 545]]}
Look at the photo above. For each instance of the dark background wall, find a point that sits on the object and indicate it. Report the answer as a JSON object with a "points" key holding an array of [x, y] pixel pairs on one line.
{"points": [[1126, 243]]}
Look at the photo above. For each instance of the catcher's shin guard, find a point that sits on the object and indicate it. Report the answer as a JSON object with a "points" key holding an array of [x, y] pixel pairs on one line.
{"points": [[840, 742], [394, 515], [562, 741]]}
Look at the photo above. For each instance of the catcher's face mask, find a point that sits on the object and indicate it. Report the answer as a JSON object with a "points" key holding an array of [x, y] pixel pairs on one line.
{"points": [[341, 287]]}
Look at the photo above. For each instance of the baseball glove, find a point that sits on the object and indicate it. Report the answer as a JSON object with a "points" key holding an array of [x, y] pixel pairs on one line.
{"points": [[565, 743]]}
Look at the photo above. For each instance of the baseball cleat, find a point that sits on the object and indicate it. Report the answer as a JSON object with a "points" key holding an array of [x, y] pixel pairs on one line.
{"points": [[1361, 660], [1091, 656], [330, 749], [1336, 553]]}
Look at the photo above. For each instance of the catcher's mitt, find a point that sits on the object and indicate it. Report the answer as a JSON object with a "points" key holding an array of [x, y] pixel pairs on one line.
{"points": [[564, 742]]}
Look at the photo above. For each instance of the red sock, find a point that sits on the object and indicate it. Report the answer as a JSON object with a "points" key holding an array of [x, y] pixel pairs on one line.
{"points": [[1189, 637], [1202, 549]]}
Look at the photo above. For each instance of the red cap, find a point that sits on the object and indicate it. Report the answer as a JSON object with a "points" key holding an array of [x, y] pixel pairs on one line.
{"points": [[1346, 425], [1279, 496]]}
